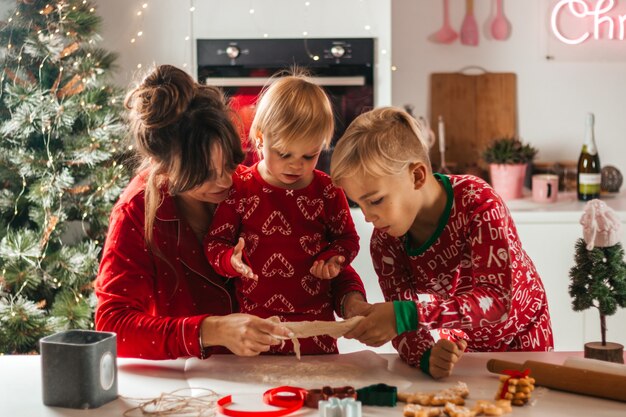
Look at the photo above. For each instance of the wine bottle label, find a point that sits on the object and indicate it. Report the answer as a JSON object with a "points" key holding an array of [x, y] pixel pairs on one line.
{"points": [[589, 179], [589, 183]]}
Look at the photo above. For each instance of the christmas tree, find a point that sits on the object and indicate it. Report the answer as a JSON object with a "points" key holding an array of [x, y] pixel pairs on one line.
{"points": [[60, 173], [598, 279]]}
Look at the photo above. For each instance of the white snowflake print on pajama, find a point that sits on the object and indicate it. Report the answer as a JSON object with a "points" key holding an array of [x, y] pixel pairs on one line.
{"points": [[482, 284], [285, 231]]}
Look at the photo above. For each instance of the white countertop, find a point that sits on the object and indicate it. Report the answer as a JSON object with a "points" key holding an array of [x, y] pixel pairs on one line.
{"points": [[567, 208], [247, 378]]}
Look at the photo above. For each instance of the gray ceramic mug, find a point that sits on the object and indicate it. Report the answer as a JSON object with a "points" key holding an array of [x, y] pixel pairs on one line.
{"points": [[79, 368]]}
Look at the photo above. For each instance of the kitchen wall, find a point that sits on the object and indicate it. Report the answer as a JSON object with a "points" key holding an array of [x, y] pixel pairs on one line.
{"points": [[553, 95], [169, 28]]}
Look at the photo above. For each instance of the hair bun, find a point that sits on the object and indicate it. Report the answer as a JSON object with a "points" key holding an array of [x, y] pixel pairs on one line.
{"points": [[162, 97]]}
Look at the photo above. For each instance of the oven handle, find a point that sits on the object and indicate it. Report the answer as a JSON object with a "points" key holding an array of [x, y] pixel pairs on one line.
{"points": [[356, 80]]}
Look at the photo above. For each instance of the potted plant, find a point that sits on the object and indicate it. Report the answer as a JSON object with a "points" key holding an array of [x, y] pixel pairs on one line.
{"points": [[508, 160], [598, 279]]}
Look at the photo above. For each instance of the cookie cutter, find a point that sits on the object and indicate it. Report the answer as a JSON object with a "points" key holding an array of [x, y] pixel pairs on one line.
{"points": [[314, 396], [378, 394], [335, 407]]}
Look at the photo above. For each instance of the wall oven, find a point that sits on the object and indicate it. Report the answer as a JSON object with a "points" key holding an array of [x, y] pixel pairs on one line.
{"points": [[242, 67]]}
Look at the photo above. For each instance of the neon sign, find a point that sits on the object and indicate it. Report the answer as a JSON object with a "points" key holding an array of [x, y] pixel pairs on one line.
{"points": [[581, 10]]}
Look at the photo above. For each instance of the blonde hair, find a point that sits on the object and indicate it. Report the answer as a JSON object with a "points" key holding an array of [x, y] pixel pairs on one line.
{"points": [[177, 124], [293, 110], [378, 143]]}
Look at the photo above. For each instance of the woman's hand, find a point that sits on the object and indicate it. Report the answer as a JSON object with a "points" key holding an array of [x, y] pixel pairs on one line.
{"points": [[378, 327], [328, 269], [239, 265], [444, 355], [243, 334]]}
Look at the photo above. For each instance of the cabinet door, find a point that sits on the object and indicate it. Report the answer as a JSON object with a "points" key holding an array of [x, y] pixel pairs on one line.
{"points": [[551, 247]]}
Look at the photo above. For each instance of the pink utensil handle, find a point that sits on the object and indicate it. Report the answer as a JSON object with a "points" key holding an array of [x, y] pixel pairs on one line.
{"points": [[446, 13]]}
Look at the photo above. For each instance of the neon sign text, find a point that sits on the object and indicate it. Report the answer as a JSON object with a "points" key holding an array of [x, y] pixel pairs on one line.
{"points": [[580, 9]]}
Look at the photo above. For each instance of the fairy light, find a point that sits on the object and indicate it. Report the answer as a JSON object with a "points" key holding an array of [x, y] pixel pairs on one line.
{"points": [[394, 68], [192, 9], [251, 11], [145, 5]]}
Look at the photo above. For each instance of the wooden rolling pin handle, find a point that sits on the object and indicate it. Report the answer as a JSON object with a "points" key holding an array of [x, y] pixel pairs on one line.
{"points": [[497, 366]]}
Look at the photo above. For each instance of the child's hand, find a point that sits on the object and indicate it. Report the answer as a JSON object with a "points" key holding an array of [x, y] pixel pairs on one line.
{"points": [[444, 355], [239, 265], [355, 305], [328, 269], [378, 327]]}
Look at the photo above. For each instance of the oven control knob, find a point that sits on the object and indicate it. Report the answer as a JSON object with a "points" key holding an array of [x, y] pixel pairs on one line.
{"points": [[233, 51], [337, 51]]}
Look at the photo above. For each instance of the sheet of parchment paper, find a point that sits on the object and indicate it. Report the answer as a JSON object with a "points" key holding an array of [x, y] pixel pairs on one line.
{"points": [[225, 373]]}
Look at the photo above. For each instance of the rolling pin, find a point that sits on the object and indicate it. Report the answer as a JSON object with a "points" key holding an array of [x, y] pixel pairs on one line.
{"points": [[579, 381]]}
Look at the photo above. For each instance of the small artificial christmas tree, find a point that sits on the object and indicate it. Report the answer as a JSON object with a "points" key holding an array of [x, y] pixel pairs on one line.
{"points": [[60, 172], [599, 277]]}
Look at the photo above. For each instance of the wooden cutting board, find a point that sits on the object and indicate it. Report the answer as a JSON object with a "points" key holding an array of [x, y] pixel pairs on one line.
{"points": [[476, 109]]}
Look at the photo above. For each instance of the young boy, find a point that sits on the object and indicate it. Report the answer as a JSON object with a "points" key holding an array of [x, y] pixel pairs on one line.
{"points": [[448, 236]]}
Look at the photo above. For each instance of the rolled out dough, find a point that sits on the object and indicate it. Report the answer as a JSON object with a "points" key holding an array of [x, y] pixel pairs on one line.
{"points": [[304, 329]]}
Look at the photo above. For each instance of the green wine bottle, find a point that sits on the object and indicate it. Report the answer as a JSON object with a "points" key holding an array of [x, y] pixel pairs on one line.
{"points": [[588, 181]]}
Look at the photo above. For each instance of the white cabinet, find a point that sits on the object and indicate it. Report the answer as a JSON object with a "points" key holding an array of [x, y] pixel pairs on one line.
{"points": [[548, 233]]}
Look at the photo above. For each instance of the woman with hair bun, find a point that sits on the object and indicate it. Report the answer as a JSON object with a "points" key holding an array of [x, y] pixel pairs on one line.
{"points": [[155, 288]]}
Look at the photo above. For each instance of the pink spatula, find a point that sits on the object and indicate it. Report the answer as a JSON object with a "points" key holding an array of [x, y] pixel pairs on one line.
{"points": [[469, 28], [445, 34]]}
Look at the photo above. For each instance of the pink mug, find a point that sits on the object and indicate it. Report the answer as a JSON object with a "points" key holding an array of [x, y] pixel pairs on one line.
{"points": [[545, 188]]}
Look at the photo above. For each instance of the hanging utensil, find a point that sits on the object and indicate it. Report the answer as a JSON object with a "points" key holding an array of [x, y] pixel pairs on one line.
{"points": [[442, 146], [500, 26], [445, 34], [469, 27]]}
